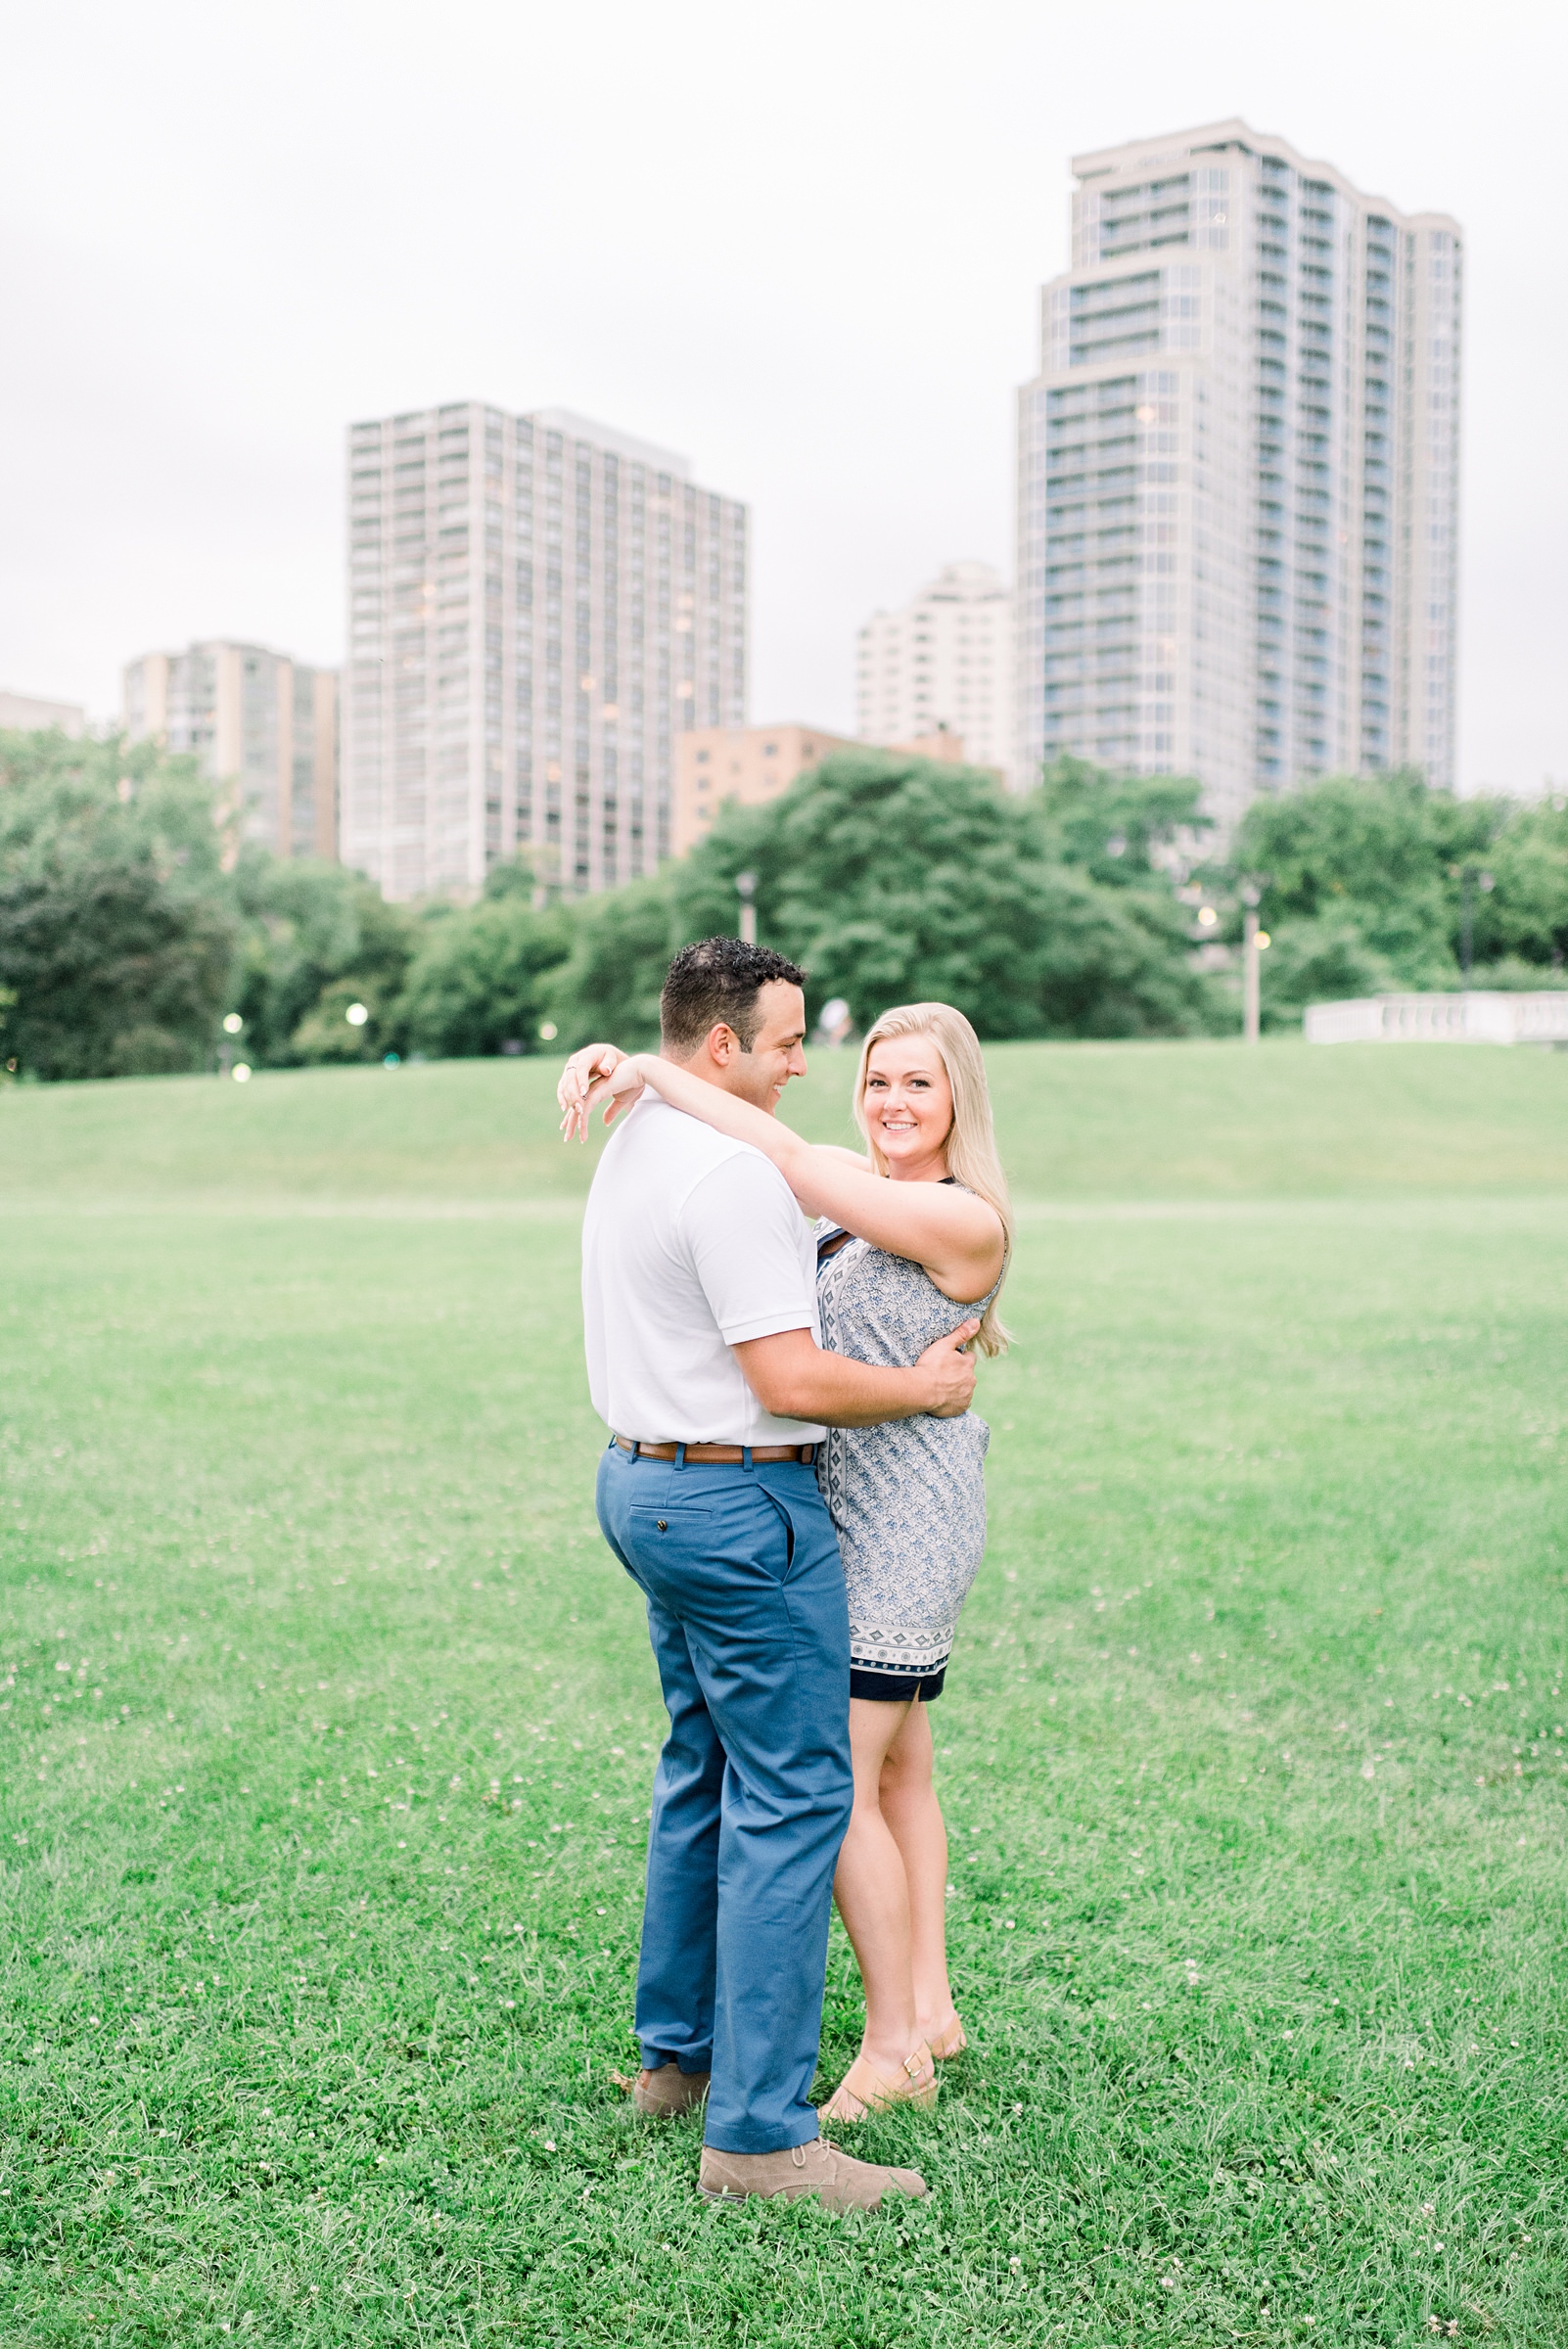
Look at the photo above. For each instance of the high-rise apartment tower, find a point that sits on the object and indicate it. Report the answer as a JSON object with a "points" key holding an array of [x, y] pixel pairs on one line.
{"points": [[538, 606], [944, 661], [1238, 475], [262, 727]]}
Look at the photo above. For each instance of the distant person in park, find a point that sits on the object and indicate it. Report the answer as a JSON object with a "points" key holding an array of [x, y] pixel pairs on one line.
{"points": [[907, 1233]]}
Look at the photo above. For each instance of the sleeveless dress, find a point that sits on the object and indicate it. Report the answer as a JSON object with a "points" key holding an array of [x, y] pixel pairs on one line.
{"points": [[908, 1498]]}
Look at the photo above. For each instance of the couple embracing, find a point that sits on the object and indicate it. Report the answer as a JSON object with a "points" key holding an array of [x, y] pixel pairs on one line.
{"points": [[794, 1481]]}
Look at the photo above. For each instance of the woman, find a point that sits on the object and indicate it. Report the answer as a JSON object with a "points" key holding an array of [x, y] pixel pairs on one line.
{"points": [[917, 1227]]}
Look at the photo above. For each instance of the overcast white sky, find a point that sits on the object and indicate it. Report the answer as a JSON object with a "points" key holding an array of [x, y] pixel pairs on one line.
{"points": [[799, 242]]}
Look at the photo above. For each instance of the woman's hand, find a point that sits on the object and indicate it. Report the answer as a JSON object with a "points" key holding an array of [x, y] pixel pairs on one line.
{"points": [[597, 1073]]}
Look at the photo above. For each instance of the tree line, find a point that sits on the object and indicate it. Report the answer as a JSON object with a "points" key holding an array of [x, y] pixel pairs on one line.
{"points": [[131, 924]]}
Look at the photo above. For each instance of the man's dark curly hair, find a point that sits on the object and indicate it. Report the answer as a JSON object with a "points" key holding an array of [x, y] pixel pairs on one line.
{"points": [[718, 979]]}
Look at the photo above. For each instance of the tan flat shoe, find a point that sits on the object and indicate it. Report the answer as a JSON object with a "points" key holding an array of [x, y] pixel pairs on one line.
{"points": [[838, 2179], [864, 2087], [660, 2094], [948, 2043]]}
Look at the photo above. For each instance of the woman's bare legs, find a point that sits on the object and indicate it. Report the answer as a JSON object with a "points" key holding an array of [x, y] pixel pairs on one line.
{"points": [[913, 1815], [884, 1903]]}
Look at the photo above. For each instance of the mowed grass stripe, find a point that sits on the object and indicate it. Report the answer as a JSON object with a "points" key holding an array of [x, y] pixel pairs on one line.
{"points": [[323, 2055]]}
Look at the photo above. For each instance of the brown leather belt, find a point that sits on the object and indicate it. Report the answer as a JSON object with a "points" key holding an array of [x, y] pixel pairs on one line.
{"points": [[719, 1455]]}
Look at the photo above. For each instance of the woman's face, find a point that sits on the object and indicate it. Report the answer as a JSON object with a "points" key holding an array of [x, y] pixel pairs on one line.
{"points": [[909, 1104]]}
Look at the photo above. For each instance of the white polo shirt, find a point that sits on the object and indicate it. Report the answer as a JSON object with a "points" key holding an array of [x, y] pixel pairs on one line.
{"points": [[691, 1244]]}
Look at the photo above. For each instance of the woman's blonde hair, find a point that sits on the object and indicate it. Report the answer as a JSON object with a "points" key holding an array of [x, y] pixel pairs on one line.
{"points": [[971, 1141]]}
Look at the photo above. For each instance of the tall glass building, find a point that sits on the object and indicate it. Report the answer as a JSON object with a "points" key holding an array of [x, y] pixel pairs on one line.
{"points": [[1238, 475], [538, 606]]}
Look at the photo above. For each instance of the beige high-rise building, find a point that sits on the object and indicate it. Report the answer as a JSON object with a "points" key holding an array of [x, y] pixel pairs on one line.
{"points": [[263, 727], [942, 665], [540, 607], [1239, 474]]}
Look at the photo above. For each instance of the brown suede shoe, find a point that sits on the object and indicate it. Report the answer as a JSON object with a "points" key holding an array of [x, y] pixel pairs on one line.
{"points": [[838, 2179], [660, 2094]]}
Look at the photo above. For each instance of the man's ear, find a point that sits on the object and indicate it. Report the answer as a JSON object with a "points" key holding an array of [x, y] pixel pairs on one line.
{"points": [[723, 1045]]}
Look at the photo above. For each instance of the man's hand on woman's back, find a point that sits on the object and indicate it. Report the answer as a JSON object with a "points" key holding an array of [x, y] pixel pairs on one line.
{"points": [[794, 1378], [950, 1372]]}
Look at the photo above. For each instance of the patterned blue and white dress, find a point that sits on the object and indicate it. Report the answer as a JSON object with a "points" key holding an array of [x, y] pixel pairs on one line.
{"points": [[907, 1498]]}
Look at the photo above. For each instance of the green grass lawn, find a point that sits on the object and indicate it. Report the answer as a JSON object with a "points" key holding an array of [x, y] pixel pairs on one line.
{"points": [[328, 1726]]}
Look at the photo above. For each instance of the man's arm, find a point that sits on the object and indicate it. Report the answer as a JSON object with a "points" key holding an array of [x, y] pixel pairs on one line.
{"points": [[957, 1237], [794, 1378]]}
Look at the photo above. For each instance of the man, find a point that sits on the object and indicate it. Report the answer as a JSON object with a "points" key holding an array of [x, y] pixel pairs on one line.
{"points": [[700, 1304]]}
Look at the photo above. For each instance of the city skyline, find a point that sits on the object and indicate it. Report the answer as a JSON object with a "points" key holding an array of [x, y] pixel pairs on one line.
{"points": [[775, 341]]}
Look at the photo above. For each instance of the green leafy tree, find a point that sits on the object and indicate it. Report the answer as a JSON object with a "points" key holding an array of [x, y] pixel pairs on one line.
{"points": [[481, 979], [1115, 962], [1521, 923], [1379, 856], [621, 943], [1368, 879], [890, 877], [893, 878], [514, 878], [317, 939], [1124, 831], [116, 930]]}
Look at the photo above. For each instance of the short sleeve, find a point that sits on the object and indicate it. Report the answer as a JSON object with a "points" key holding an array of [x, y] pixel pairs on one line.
{"points": [[745, 1234]]}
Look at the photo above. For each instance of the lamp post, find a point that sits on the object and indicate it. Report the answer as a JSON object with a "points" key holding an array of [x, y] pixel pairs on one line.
{"points": [[1469, 875], [1251, 893], [746, 891]]}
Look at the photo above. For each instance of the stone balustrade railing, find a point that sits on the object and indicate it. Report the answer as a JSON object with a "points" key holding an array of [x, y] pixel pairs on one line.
{"points": [[1479, 1016]]}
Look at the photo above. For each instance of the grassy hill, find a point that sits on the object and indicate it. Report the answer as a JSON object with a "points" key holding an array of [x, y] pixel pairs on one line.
{"points": [[1079, 1123]]}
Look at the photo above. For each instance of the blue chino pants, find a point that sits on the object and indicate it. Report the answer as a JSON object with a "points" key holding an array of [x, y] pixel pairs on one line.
{"points": [[747, 1613]]}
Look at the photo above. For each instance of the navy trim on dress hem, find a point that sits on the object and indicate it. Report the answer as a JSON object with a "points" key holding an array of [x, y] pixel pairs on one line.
{"points": [[897, 1687]]}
